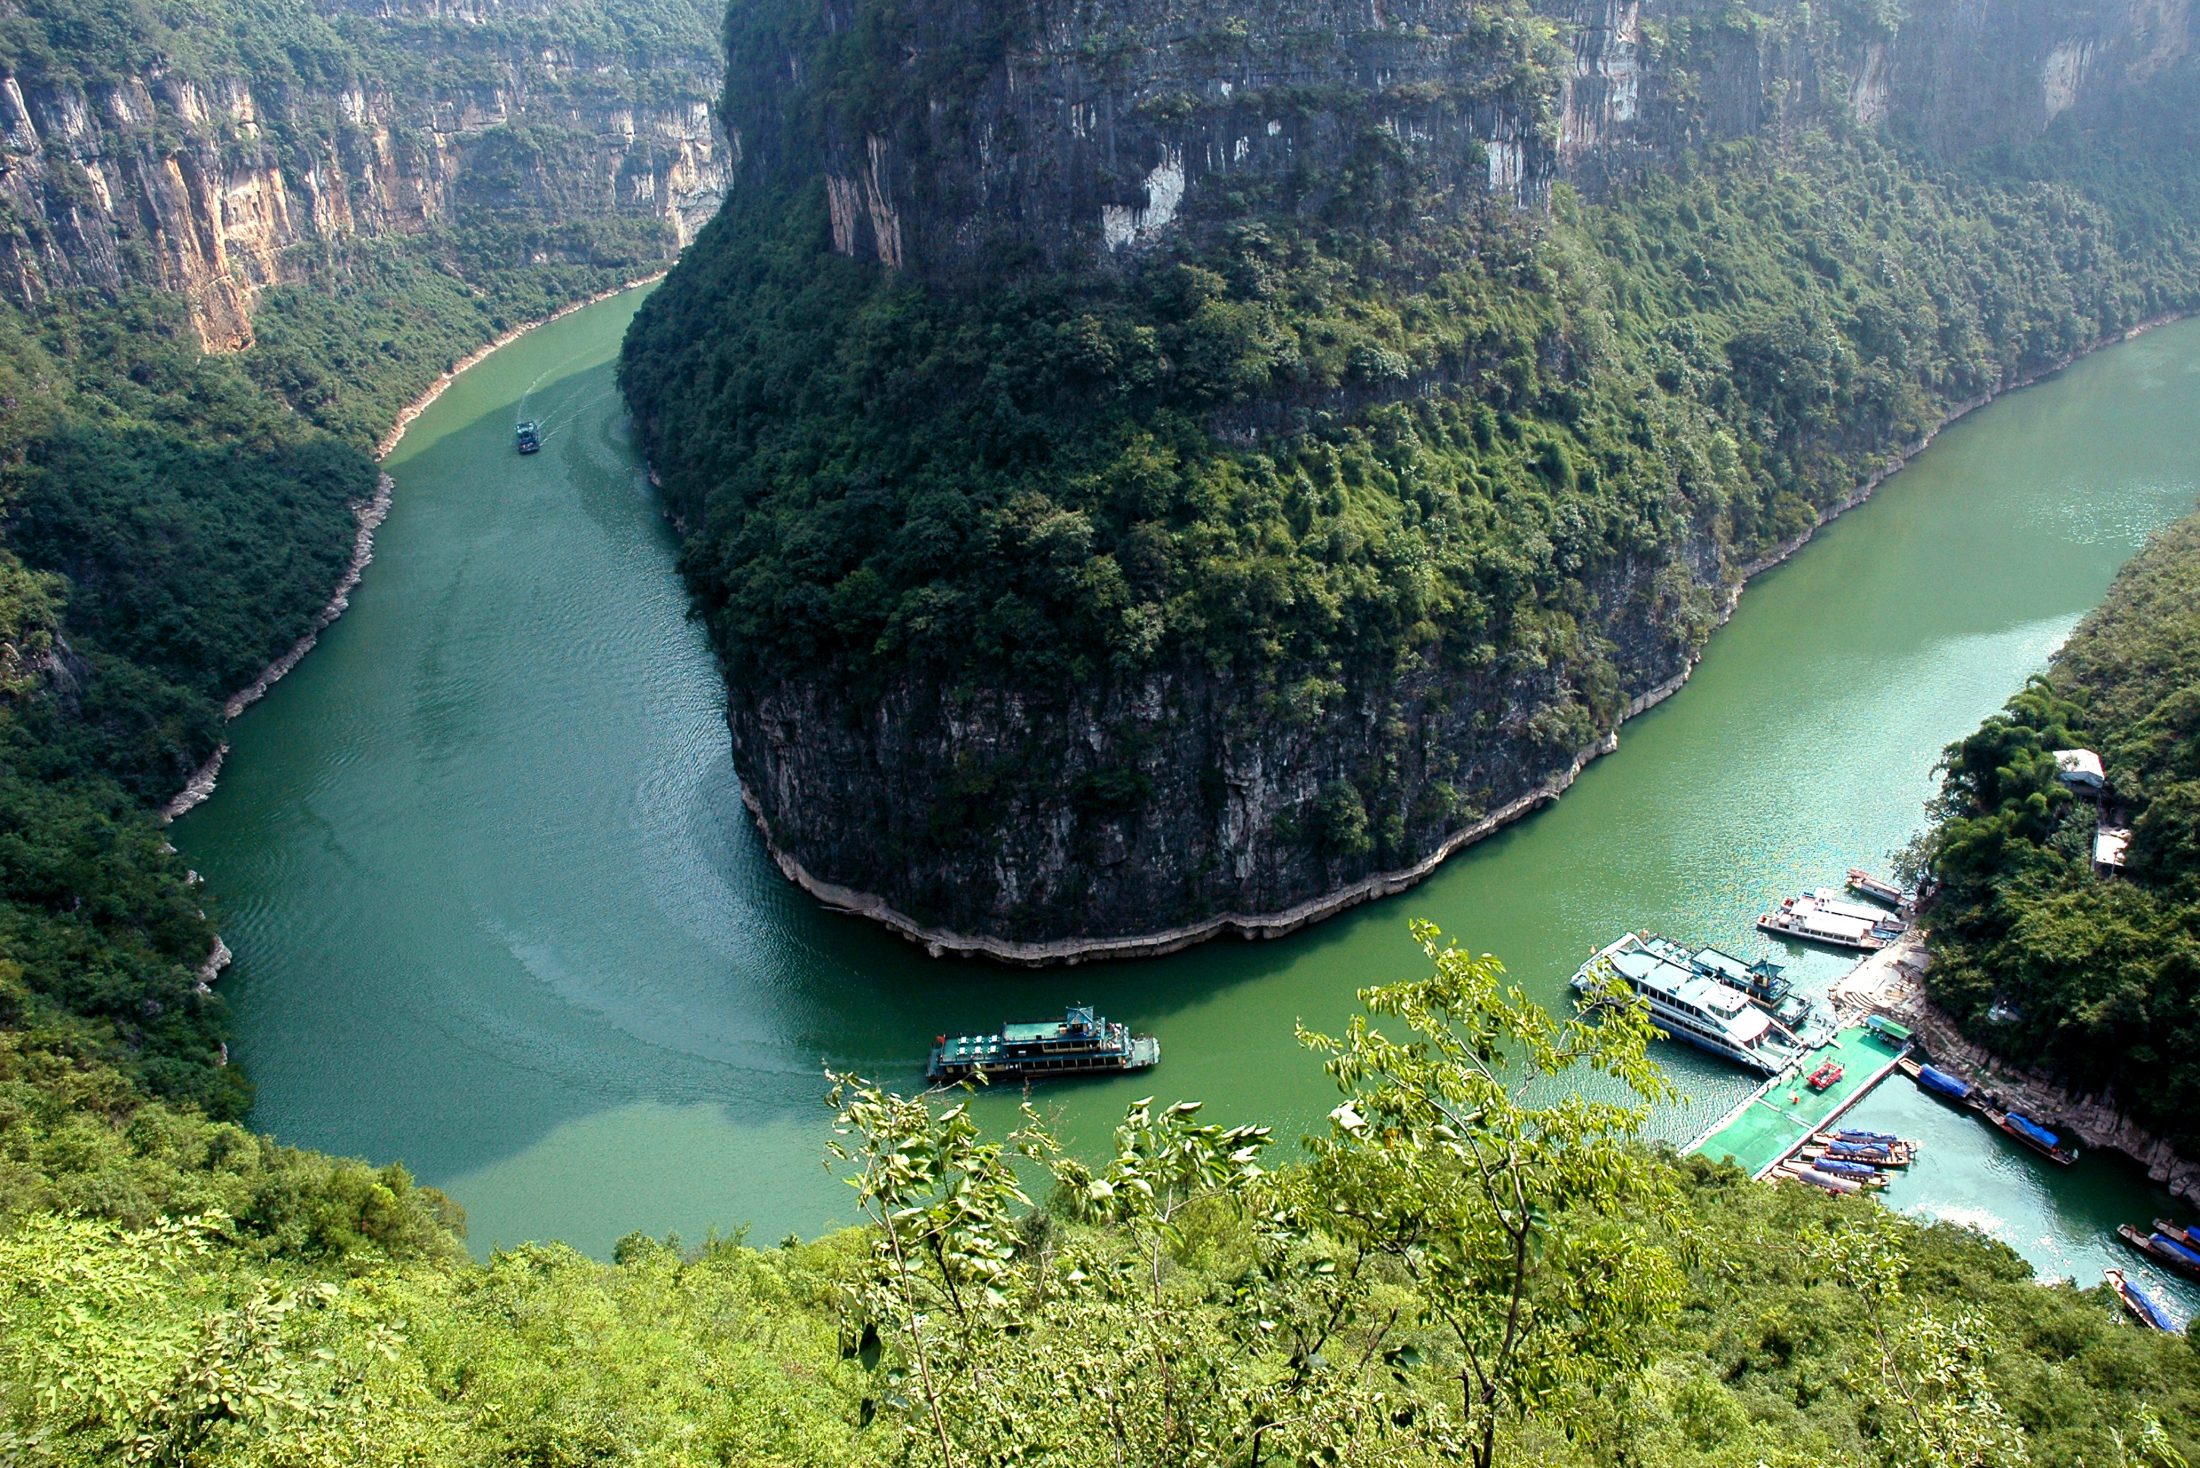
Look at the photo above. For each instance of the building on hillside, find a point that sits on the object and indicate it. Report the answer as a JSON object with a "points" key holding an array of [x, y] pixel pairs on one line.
{"points": [[2109, 845], [2081, 770]]}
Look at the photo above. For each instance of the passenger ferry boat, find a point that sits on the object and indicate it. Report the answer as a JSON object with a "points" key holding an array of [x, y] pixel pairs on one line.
{"points": [[1080, 1043], [1690, 1004]]}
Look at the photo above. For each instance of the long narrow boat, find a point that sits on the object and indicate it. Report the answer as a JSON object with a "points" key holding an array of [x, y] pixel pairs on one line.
{"points": [[2031, 1134], [1939, 1084], [2142, 1305], [1863, 1174], [2190, 1238], [2163, 1250], [1804, 1173]]}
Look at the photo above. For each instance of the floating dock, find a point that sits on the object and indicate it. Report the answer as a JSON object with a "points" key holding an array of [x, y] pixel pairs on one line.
{"points": [[1777, 1118]]}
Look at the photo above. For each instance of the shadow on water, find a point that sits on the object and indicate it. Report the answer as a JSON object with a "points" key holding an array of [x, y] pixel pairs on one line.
{"points": [[499, 911]]}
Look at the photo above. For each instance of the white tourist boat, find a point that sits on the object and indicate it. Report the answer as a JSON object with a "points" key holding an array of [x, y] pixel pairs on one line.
{"points": [[1690, 1005]]}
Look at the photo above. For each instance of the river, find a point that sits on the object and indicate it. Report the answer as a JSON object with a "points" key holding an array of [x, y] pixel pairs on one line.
{"points": [[498, 910]]}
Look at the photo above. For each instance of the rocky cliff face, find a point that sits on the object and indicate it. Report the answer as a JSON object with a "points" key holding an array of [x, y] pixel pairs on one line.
{"points": [[1080, 133], [205, 179], [960, 144]]}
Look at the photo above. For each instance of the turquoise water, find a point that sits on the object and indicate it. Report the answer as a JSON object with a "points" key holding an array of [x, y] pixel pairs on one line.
{"points": [[498, 910]]}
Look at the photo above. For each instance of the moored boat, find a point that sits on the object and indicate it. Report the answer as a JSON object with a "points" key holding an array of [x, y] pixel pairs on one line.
{"points": [[1953, 1089], [1080, 1043], [2163, 1250], [1869, 1153], [1864, 884], [2190, 1238], [2143, 1306], [1804, 1173], [1801, 917], [1829, 899], [1690, 1004], [1861, 1173], [2029, 1132]]}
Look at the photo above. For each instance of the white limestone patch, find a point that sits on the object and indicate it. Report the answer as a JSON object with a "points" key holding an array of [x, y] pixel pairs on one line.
{"points": [[1508, 166], [2062, 76], [1124, 224]]}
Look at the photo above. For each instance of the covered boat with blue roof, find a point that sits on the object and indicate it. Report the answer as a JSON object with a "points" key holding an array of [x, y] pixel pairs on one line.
{"points": [[2144, 1307], [2163, 1250]]}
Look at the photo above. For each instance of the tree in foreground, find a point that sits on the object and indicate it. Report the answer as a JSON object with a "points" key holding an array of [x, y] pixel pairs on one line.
{"points": [[1463, 1247]]}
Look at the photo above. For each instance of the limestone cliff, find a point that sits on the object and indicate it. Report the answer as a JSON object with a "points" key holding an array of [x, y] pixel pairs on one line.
{"points": [[214, 174], [1087, 133], [1237, 231]]}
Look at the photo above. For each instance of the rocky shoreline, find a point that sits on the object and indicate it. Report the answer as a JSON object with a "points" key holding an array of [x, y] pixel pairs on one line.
{"points": [[369, 514], [939, 942], [2095, 1120]]}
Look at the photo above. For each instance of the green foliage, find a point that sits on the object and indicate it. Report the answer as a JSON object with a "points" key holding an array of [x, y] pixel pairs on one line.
{"points": [[2096, 979], [1396, 446], [1474, 1263]]}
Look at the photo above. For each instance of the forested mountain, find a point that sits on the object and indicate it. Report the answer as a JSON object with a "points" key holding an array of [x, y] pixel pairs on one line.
{"points": [[176, 1290], [234, 240], [1153, 471], [2090, 977]]}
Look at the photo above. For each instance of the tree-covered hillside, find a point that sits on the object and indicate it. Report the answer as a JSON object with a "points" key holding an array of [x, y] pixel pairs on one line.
{"points": [[1279, 554], [170, 521], [2094, 979]]}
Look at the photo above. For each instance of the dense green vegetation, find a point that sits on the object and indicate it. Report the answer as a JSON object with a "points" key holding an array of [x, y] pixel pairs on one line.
{"points": [[1460, 428], [2095, 979], [1455, 1272], [170, 523]]}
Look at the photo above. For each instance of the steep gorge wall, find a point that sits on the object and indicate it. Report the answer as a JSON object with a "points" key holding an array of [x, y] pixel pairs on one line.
{"points": [[962, 144], [203, 179], [1071, 133]]}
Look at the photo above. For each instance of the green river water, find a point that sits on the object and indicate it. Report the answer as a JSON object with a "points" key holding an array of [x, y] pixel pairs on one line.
{"points": [[498, 910]]}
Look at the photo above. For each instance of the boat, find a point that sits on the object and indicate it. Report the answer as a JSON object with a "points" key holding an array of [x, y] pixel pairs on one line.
{"points": [[2190, 1238], [1864, 884], [1826, 1180], [1691, 1005], [2162, 1249], [1800, 917], [527, 437], [2031, 1134], [1826, 1076], [1829, 899], [1873, 1153], [1863, 1174], [1760, 980], [1080, 1043], [2142, 1305], [1936, 1082], [1858, 1134]]}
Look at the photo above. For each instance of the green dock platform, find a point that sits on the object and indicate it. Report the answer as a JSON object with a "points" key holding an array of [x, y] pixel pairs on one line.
{"points": [[1783, 1112]]}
